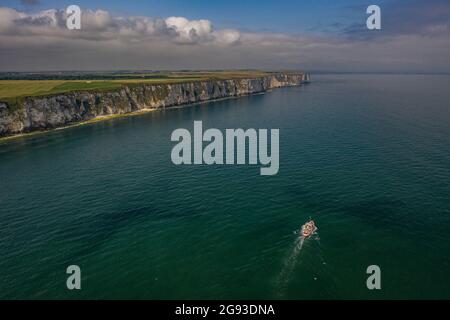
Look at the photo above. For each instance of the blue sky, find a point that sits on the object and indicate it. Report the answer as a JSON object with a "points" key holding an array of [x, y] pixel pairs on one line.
{"points": [[319, 35]]}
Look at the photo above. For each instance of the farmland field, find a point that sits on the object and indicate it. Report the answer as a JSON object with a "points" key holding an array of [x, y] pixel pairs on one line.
{"points": [[11, 90]]}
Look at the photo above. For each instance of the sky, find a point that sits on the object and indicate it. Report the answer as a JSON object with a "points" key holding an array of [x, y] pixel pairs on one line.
{"points": [[319, 35]]}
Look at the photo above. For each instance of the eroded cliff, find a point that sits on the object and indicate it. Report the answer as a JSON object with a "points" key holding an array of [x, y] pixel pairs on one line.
{"points": [[47, 112]]}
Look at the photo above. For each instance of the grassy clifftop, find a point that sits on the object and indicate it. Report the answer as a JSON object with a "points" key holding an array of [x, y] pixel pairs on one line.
{"points": [[12, 91]]}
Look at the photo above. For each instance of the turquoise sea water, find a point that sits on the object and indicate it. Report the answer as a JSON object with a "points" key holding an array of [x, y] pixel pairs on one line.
{"points": [[366, 156]]}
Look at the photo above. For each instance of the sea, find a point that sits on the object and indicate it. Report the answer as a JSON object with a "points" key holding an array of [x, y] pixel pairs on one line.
{"points": [[366, 156]]}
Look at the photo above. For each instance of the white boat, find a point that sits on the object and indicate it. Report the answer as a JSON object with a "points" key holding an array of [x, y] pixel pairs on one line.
{"points": [[308, 229]]}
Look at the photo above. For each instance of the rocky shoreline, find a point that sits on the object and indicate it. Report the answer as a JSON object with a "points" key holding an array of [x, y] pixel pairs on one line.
{"points": [[60, 110]]}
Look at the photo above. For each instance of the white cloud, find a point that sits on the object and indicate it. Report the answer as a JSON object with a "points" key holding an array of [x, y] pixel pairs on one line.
{"points": [[96, 20], [7, 18], [227, 36], [101, 24], [190, 31]]}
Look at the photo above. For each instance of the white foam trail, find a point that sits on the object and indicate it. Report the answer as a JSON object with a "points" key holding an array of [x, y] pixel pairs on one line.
{"points": [[289, 264]]}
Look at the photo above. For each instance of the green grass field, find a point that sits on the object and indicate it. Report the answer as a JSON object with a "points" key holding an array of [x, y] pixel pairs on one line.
{"points": [[12, 91]]}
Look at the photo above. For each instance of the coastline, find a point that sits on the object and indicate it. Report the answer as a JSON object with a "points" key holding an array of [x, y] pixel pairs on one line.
{"points": [[55, 112], [77, 124], [117, 116]]}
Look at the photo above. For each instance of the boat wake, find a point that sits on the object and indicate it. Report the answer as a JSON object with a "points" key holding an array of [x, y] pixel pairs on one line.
{"points": [[288, 267], [289, 264]]}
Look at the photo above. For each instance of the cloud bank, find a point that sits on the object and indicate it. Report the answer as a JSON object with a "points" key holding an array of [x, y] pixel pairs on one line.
{"points": [[100, 25], [40, 41]]}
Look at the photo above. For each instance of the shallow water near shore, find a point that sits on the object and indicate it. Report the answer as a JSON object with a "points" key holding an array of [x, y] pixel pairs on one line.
{"points": [[366, 156]]}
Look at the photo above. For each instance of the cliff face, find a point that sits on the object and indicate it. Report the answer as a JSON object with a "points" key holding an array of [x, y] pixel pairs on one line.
{"points": [[39, 113]]}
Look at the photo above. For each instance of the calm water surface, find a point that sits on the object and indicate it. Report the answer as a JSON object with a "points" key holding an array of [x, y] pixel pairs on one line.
{"points": [[366, 156]]}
